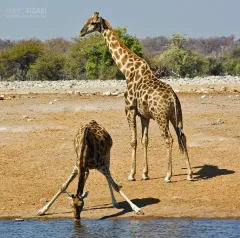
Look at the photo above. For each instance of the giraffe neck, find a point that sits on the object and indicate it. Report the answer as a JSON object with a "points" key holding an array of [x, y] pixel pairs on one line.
{"points": [[126, 60]]}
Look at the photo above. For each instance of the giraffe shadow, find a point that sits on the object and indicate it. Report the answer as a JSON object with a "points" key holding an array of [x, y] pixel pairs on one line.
{"points": [[206, 171], [126, 208], [210, 171], [105, 206]]}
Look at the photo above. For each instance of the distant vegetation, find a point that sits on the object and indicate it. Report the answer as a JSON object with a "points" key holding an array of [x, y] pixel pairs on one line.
{"points": [[89, 58]]}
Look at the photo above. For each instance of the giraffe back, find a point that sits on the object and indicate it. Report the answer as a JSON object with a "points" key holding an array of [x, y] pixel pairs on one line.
{"points": [[98, 144]]}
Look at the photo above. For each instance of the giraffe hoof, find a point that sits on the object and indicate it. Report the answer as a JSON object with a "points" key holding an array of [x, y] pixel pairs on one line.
{"points": [[167, 180], [140, 212], [145, 178], [190, 178], [41, 212], [130, 178]]}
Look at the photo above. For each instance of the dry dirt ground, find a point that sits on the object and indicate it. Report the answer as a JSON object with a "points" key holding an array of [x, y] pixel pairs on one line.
{"points": [[37, 156]]}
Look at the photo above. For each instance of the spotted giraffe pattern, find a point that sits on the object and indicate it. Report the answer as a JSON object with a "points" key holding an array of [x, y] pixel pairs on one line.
{"points": [[99, 145], [92, 145], [145, 96]]}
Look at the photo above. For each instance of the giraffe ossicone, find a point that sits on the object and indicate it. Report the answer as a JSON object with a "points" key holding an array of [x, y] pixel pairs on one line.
{"points": [[146, 96]]}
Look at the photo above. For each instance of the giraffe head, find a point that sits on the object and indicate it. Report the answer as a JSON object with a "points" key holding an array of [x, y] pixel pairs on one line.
{"points": [[94, 23], [77, 202]]}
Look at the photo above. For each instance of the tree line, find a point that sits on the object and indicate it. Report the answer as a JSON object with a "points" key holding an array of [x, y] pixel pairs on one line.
{"points": [[89, 58]]}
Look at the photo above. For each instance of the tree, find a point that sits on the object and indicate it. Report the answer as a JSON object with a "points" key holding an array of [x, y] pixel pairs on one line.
{"points": [[59, 44], [232, 62], [48, 66], [178, 61], [16, 60]]}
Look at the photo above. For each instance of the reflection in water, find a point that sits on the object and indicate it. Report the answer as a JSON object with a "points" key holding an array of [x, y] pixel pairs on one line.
{"points": [[122, 228]]}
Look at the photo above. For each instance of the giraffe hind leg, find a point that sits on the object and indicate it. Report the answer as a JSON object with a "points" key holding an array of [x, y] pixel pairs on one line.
{"points": [[183, 142], [165, 132], [145, 126], [169, 143]]}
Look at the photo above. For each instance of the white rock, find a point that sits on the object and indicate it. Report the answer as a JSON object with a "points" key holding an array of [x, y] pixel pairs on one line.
{"points": [[25, 116], [115, 93], [43, 200], [203, 96], [223, 89], [220, 121], [106, 93], [19, 219]]}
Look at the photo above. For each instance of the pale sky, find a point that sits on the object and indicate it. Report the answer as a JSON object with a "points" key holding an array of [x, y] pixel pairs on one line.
{"points": [[61, 18]]}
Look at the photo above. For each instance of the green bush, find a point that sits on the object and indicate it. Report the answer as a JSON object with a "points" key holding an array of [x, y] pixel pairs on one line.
{"points": [[90, 57], [16, 60], [178, 61], [48, 66], [232, 62], [216, 66]]}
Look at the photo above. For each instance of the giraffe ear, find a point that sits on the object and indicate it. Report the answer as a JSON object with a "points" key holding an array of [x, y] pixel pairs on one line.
{"points": [[69, 195], [85, 195]]}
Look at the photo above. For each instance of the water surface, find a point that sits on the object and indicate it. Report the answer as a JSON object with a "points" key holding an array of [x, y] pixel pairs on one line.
{"points": [[122, 228]]}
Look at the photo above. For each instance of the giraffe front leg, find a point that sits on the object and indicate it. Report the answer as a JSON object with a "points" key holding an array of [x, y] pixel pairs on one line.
{"points": [[145, 126], [117, 188], [114, 202], [43, 210], [131, 117]]}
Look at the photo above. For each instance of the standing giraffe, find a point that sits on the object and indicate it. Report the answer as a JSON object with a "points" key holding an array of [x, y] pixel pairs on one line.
{"points": [[92, 145], [145, 96]]}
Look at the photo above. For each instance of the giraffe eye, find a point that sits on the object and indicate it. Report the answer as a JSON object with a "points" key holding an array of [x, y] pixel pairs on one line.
{"points": [[93, 23]]}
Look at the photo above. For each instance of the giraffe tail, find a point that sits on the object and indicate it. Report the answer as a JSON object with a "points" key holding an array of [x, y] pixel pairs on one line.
{"points": [[182, 141], [177, 123]]}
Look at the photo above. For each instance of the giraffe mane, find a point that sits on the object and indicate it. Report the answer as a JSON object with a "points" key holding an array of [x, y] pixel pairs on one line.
{"points": [[119, 40]]}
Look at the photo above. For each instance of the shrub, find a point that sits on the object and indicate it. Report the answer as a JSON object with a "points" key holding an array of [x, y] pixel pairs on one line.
{"points": [[16, 60], [49, 66], [232, 62], [90, 57], [216, 66], [178, 61]]}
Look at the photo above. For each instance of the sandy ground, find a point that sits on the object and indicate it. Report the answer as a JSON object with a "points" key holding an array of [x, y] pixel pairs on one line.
{"points": [[37, 157]]}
